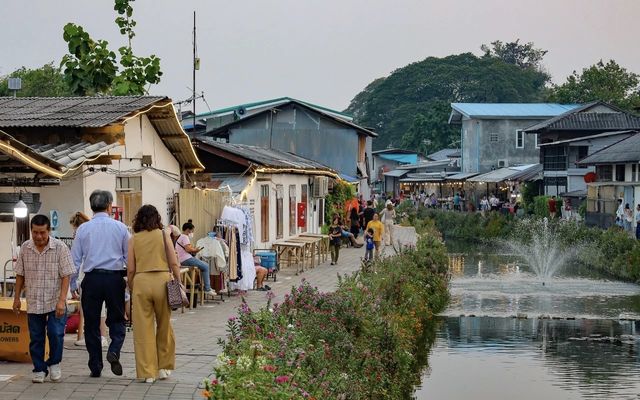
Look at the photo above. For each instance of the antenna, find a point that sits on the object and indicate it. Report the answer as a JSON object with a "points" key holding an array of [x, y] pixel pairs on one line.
{"points": [[196, 66]]}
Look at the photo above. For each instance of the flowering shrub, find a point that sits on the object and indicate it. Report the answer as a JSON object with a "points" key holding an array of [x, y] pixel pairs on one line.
{"points": [[367, 340]]}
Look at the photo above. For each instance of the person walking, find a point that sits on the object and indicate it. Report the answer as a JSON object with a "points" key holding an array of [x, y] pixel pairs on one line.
{"points": [[186, 256], [628, 219], [335, 235], [378, 232], [43, 269], [151, 264], [638, 221], [369, 245], [367, 213], [551, 204], [100, 251], [389, 218]]}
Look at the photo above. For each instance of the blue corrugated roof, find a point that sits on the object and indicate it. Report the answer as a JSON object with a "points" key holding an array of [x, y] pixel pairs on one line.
{"points": [[516, 110]]}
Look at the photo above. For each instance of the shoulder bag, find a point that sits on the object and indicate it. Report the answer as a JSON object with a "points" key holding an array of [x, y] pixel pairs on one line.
{"points": [[176, 295]]}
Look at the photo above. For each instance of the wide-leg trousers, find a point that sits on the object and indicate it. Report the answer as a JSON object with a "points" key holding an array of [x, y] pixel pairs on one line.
{"points": [[153, 339]]}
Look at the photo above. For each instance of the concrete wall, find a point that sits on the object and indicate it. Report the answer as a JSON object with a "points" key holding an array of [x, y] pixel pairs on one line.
{"points": [[480, 154]]}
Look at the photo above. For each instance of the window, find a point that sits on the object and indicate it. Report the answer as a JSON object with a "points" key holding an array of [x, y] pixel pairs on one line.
{"points": [[604, 173], [519, 139], [554, 158], [303, 199], [620, 172], [493, 137], [537, 141], [129, 183], [279, 212], [264, 212], [633, 173], [292, 210]]}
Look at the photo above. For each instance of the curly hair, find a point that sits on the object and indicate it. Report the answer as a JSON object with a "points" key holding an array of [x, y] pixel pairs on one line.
{"points": [[78, 219], [147, 219]]}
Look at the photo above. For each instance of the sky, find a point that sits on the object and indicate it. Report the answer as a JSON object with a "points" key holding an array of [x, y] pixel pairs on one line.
{"points": [[321, 51]]}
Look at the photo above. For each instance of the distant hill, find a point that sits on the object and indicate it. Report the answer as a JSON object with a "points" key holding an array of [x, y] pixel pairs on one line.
{"points": [[410, 107]]}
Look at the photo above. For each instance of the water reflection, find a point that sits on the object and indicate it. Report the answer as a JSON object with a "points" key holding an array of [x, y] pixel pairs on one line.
{"points": [[498, 356]]}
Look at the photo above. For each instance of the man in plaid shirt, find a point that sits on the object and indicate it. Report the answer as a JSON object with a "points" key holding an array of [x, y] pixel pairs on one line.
{"points": [[43, 269]]}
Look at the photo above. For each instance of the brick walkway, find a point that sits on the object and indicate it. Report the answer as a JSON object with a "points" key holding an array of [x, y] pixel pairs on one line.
{"points": [[197, 334]]}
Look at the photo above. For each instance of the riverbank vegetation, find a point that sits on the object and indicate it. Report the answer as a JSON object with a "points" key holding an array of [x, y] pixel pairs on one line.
{"points": [[610, 251], [367, 340]]}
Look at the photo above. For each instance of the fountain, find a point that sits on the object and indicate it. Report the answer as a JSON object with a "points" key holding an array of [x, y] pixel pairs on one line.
{"points": [[538, 244]]}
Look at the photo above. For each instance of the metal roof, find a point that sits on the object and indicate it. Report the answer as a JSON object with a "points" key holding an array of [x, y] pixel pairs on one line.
{"points": [[224, 128], [508, 110], [397, 151], [443, 154], [624, 151], [522, 172], [582, 119], [427, 177], [396, 173], [268, 104], [260, 156], [98, 112], [461, 176]]}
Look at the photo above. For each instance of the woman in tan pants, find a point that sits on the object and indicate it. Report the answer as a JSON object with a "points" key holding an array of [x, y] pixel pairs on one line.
{"points": [[150, 256]]}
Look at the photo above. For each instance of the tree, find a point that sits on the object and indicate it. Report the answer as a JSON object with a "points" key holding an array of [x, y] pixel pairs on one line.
{"points": [[46, 81], [392, 105], [607, 82], [522, 55], [90, 67]]}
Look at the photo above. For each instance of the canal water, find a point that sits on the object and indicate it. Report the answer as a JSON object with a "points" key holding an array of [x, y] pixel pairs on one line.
{"points": [[506, 336]]}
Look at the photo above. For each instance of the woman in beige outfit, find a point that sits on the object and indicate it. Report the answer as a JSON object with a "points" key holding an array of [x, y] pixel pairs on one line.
{"points": [[389, 216], [150, 255]]}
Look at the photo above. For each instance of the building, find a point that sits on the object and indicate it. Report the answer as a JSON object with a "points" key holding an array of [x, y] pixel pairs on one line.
{"points": [[285, 192], [492, 134], [55, 151], [617, 176], [388, 160], [313, 132], [572, 136]]}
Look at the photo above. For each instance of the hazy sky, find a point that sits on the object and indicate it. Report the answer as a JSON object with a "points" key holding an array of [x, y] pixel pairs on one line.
{"points": [[322, 51]]}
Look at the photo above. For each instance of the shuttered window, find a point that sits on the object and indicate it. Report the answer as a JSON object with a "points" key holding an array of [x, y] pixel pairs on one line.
{"points": [[292, 210], [279, 211], [264, 212], [303, 199]]}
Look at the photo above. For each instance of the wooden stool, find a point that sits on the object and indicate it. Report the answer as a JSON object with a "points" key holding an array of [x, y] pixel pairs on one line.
{"points": [[191, 276]]}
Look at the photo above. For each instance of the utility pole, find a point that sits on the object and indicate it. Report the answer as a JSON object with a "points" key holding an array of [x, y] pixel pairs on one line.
{"points": [[193, 98]]}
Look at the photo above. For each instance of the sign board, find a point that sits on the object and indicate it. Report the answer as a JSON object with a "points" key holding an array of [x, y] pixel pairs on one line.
{"points": [[53, 216], [302, 215]]}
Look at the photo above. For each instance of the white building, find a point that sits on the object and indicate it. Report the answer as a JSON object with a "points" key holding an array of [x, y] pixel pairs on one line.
{"points": [[55, 151]]}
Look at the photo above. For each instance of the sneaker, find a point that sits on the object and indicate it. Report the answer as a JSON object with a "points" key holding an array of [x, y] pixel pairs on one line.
{"points": [[56, 372], [267, 287], [149, 380], [164, 374], [113, 359], [38, 377], [332, 263], [211, 293], [262, 289], [80, 342], [105, 342]]}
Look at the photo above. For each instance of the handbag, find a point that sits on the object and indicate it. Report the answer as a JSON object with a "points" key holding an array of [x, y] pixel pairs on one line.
{"points": [[176, 295]]}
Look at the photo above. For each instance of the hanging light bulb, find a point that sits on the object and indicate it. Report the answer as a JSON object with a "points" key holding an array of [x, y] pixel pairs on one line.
{"points": [[20, 210]]}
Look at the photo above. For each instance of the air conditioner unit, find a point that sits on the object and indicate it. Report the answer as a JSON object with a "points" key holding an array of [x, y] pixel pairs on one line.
{"points": [[503, 163], [320, 186]]}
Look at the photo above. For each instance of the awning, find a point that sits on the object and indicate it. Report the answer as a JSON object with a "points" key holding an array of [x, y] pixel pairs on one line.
{"points": [[575, 193], [523, 172], [349, 178], [461, 176], [426, 177], [235, 183], [400, 158], [396, 173]]}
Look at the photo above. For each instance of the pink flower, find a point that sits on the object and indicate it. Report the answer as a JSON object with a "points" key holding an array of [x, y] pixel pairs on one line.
{"points": [[270, 368], [282, 379]]}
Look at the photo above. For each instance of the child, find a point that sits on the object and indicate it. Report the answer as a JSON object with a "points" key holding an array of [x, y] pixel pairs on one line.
{"points": [[335, 233], [368, 241]]}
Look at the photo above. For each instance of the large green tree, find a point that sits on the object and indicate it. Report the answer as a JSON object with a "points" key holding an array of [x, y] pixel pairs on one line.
{"points": [[411, 106], [46, 81], [522, 55], [91, 68], [607, 82]]}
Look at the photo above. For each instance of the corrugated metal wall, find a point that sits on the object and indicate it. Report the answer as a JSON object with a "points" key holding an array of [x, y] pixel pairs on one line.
{"points": [[201, 206]]}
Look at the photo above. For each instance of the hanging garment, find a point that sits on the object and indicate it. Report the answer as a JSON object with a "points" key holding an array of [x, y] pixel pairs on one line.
{"points": [[212, 251], [235, 215], [248, 269], [233, 259]]}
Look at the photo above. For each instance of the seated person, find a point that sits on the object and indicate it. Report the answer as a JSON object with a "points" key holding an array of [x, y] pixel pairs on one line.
{"points": [[261, 274], [186, 256], [346, 233]]}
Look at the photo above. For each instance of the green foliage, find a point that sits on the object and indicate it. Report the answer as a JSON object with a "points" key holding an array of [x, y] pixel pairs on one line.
{"points": [[334, 202], [46, 81], [541, 206], [410, 107], [367, 340], [607, 82], [522, 55], [469, 226], [529, 192], [90, 68]]}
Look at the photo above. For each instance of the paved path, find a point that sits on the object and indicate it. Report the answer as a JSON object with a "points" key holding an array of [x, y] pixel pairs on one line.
{"points": [[197, 334]]}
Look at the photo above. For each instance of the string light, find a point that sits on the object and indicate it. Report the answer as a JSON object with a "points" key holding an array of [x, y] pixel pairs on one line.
{"points": [[30, 162]]}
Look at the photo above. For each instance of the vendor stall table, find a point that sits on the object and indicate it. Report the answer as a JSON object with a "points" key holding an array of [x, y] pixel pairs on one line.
{"points": [[324, 243], [312, 248], [291, 253]]}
